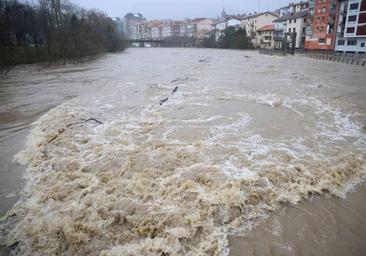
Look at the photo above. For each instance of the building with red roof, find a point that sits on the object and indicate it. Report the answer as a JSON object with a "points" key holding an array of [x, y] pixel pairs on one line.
{"points": [[265, 36]]}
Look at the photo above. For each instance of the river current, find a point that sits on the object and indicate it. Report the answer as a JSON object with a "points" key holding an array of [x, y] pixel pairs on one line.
{"points": [[184, 152]]}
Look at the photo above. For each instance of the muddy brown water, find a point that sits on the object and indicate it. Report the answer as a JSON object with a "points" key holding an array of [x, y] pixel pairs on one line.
{"points": [[251, 155]]}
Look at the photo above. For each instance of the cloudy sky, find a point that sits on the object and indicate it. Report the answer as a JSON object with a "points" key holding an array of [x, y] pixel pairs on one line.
{"points": [[180, 9]]}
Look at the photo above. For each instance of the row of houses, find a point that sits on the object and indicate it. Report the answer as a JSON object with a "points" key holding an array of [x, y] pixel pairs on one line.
{"points": [[330, 25], [338, 25], [138, 27]]}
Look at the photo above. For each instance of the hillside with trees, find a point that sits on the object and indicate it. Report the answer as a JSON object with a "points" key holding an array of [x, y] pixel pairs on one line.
{"points": [[54, 31]]}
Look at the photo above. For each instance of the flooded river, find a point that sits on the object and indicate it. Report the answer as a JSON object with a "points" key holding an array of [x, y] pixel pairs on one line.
{"points": [[184, 152]]}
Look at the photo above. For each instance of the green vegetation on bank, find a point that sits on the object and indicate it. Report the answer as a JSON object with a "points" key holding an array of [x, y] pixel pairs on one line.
{"points": [[232, 38], [54, 31]]}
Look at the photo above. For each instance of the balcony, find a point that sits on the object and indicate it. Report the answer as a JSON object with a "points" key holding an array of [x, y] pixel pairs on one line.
{"points": [[278, 38]]}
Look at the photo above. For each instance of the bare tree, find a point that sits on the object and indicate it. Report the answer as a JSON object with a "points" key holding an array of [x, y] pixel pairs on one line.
{"points": [[54, 31]]}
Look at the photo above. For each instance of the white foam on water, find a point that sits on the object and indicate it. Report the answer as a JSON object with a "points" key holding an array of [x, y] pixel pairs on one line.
{"points": [[139, 184]]}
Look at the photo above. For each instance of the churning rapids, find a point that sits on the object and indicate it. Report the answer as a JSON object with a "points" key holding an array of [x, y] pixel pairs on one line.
{"points": [[174, 151]]}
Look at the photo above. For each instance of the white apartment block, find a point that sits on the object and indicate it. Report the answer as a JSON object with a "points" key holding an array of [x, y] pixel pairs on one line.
{"points": [[222, 24], [351, 29]]}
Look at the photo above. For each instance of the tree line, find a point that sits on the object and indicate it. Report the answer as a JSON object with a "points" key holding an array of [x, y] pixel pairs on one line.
{"points": [[54, 31], [231, 38]]}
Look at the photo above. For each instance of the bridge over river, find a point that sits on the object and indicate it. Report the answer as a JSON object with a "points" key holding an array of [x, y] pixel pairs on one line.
{"points": [[168, 42]]}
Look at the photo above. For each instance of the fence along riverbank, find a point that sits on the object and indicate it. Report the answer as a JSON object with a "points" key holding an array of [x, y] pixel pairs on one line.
{"points": [[347, 58]]}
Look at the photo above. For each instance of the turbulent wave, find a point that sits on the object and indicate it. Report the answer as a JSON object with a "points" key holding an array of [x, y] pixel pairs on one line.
{"points": [[176, 179]]}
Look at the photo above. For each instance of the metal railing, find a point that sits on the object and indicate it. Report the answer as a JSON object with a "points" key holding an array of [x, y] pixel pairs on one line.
{"points": [[271, 52], [348, 58]]}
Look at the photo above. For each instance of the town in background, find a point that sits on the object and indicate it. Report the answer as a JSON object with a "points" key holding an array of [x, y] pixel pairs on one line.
{"points": [[328, 25]]}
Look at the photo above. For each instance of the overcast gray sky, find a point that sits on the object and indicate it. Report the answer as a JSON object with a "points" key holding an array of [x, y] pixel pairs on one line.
{"points": [[180, 9]]}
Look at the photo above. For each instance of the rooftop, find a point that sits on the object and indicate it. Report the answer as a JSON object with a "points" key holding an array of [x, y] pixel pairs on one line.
{"points": [[250, 16], [295, 4], [295, 15], [267, 27]]}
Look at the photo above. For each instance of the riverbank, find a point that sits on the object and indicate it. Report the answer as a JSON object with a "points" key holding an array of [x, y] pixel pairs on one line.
{"points": [[235, 118], [76, 34]]}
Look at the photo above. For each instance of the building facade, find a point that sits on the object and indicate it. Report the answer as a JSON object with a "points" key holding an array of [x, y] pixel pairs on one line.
{"points": [[252, 23], [131, 24], [351, 26], [293, 18], [294, 8], [219, 26], [320, 30], [203, 26], [295, 28], [171, 29], [279, 32], [265, 36], [155, 30]]}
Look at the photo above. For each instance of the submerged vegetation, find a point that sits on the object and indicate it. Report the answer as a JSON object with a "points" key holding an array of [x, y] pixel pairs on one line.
{"points": [[54, 31], [232, 38]]}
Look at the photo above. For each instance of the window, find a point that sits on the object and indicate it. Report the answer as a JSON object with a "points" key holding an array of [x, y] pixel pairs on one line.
{"points": [[294, 20], [351, 42], [294, 30], [345, 7], [361, 30], [362, 44], [352, 18], [353, 6], [362, 18], [350, 30], [324, 9], [321, 41], [340, 42], [363, 6]]}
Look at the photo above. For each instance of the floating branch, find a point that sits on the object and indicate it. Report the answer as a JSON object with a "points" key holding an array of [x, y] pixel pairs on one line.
{"points": [[175, 90], [163, 101], [85, 121], [92, 119]]}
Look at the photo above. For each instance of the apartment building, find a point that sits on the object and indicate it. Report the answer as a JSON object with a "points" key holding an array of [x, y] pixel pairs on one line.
{"points": [[351, 26], [294, 18], [294, 8], [203, 26], [253, 22], [220, 25], [155, 29], [265, 36], [320, 31], [131, 24], [171, 29], [292, 26], [279, 32]]}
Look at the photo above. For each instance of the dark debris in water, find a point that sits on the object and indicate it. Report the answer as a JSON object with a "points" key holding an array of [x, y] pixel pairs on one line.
{"points": [[163, 101], [175, 90], [92, 119]]}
